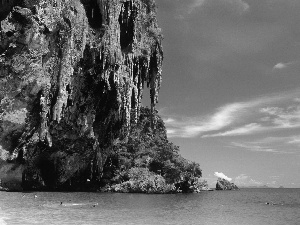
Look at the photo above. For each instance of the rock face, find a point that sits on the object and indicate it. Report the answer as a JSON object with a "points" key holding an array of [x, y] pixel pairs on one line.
{"points": [[71, 74], [223, 184]]}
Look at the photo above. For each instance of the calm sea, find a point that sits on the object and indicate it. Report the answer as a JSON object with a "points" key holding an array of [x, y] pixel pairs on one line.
{"points": [[247, 206]]}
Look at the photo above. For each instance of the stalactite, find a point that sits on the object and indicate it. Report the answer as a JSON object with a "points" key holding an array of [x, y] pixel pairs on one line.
{"points": [[95, 57]]}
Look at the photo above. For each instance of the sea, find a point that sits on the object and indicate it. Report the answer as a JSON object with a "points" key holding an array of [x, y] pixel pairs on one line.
{"points": [[270, 206]]}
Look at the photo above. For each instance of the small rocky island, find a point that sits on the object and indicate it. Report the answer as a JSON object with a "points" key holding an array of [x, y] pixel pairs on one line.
{"points": [[223, 184]]}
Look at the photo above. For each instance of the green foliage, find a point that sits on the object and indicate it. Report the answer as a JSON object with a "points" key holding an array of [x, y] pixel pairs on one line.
{"points": [[147, 155], [200, 185], [141, 180]]}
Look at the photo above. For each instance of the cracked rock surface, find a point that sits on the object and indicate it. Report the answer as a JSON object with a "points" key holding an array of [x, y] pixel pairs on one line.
{"points": [[72, 74]]}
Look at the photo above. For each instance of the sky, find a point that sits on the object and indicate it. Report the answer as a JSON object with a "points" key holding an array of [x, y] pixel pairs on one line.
{"points": [[230, 96]]}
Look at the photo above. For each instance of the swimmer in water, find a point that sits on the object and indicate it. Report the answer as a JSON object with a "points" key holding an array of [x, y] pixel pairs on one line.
{"points": [[271, 203]]}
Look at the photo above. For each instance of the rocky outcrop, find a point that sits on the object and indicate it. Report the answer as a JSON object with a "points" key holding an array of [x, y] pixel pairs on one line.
{"points": [[223, 184], [71, 75]]}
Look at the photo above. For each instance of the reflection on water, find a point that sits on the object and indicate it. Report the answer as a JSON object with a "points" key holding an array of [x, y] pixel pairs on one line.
{"points": [[247, 206]]}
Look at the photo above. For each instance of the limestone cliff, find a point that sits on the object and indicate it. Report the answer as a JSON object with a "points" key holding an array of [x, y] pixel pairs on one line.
{"points": [[71, 74], [223, 184]]}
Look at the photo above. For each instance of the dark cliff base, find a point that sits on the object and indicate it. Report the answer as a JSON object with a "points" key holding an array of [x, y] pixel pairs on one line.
{"points": [[145, 163]]}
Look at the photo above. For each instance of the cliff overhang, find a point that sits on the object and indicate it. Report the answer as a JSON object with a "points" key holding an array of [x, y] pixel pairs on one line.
{"points": [[72, 74]]}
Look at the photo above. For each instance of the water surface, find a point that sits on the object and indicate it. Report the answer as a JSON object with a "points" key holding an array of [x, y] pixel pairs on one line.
{"points": [[247, 206]]}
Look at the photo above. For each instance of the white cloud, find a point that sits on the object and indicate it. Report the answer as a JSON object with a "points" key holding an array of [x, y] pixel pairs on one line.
{"points": [[275, 177], [290, 144], [238, 5], [241, 5], [288, 117], [267, 113], [272, 140], [198, 3], [222, 175], [245, 180], [271, 110], [294, 140], [169, 121], [192, 127], [247, 129], [170, 131], [274, 182], [222, 118], [257, 147], [253, 147], [195, 4], [282, 65]]}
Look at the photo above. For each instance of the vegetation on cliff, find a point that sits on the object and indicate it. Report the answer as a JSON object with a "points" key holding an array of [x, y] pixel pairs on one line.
{"points": [[146, 161]]}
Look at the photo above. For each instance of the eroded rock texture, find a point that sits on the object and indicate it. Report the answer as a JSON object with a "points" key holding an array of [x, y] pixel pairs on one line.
{"points": [[223, 184], [71, 73]]}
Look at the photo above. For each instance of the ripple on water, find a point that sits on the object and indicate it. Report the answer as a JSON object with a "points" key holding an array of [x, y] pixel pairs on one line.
{"points": [[245, 207]]}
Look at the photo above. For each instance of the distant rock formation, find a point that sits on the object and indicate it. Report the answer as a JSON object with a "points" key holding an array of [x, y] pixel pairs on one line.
{"points": [[223, 184]]}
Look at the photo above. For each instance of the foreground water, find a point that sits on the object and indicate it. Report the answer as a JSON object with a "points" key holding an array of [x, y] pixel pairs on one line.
{"points": [[247, 206]]}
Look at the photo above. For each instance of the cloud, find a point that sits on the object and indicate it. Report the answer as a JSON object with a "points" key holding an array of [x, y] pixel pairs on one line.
{"points": [[253, 147], [276, 145], [237, 5], [222, 118], [241, 5], [247, 129], [272, 140], [282, 65], [222, 176], [192, 127], [245, 180], [267, 113], [170, 132], [295, 140], [256, 147], [169, 121], [288, 117], [194, 5], [198, 3]]}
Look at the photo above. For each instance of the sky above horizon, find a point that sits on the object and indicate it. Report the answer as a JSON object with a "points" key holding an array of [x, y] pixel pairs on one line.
{"points": [[230, 96]]}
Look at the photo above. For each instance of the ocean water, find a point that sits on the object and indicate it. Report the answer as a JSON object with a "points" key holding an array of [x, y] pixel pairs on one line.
{"points": [[244, 207]]}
